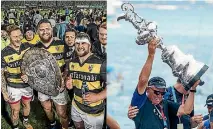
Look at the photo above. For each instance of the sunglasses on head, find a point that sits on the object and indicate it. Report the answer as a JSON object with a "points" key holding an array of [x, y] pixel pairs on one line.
{"points": [[158, 92]]}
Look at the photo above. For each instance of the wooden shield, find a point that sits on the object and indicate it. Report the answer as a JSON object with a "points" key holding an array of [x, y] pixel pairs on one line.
{"points": [[43, 72]]}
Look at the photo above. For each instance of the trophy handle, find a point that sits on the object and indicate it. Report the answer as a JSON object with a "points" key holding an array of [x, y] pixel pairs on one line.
{"points": [[131, 16]]}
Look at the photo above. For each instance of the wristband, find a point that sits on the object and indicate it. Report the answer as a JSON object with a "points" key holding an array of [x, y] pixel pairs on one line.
{"points": [[193, 91]]}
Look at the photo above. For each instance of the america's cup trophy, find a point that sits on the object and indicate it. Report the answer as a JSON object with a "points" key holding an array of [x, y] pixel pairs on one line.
{"points": [[183, 66]]}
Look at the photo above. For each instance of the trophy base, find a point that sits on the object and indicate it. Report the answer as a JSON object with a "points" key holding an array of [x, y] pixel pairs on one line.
{"points": [[196, 77]]}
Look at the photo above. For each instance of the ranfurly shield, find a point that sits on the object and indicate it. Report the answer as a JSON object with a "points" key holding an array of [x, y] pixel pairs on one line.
{"points": [[43, 73]]}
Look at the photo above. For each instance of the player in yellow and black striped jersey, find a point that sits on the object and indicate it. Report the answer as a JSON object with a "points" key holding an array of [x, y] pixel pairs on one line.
{"points": [[88, 75], [11, 61], [13, 88], [56, 48]]}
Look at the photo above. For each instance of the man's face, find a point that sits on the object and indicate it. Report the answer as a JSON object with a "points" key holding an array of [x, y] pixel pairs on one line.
{"points": [[70, 38], [82, 48], [103, 36], [16, 37], [29, 35], [155, 94], [4, 34], [210, 108], [45, 32]]}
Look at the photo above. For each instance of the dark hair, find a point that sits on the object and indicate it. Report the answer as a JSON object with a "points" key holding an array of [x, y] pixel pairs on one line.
{"points": [[37, 11], [98, 19], [4, 27], [63, 18], [70, 30], [43, 21]]}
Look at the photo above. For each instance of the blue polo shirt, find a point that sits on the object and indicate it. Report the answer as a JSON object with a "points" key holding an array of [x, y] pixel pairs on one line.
{"points": [[148, 117], [206, 120]]}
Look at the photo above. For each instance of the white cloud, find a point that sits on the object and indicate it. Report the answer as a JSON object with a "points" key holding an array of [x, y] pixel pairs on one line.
{"points": [[161, 6], [209, 1]]}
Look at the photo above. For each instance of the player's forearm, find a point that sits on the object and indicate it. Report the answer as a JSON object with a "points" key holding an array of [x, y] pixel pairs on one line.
{"points": [[103, 94], [193, 123], [3, 83], [145, 73], [189, 104]]}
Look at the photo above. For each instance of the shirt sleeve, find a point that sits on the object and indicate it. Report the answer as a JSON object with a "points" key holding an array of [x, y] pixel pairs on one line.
{"points": [[205, 117], [138, 99]]}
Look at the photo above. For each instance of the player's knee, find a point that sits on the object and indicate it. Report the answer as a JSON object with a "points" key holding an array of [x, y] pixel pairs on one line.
{"points": [[15, 112], [47, 106]]}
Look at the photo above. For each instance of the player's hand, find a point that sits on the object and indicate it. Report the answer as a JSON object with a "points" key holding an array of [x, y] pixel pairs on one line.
{"points": [[195, 85], [152, 45], [24, 78], [197, 118], [69, 83], [132, 112], [91, 98], [181, 111], [6, 96]]}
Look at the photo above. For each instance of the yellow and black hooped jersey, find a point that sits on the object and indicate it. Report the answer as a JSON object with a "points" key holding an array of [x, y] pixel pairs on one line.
{"points": [[56, 48], [11, 62], [33, 41], [93, 72]]}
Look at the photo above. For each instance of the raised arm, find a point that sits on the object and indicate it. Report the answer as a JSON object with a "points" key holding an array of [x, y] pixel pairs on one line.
{"points": [[189, 104], [147, 68]]}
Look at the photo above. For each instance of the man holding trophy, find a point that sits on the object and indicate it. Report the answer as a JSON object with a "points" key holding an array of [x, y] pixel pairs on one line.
{"points": [[148, 96]]}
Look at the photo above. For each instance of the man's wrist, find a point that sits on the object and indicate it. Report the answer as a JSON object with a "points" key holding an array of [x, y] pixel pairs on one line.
{"points": [[151, 55]]}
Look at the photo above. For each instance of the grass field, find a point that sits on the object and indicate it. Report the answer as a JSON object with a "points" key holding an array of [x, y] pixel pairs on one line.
{"points": [[37, 117]]}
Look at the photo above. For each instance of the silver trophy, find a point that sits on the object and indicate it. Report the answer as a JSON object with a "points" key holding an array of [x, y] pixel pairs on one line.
{"points": [[183, 66], [43, 72]]}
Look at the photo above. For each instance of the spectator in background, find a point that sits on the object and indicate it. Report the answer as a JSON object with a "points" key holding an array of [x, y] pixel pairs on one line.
{"points": [[207, 122], [82, 26], [62, 26], [5, 41], [37, 18], [30, 36], [99, 46], [98, 21], [66, 12], [79, 17], [21, 18], [92, 30], [6, 20], [55, 30]]}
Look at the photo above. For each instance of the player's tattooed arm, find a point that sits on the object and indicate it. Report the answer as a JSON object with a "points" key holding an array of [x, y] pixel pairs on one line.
{"points": [[4, 85]]}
